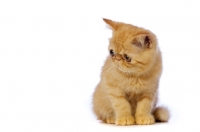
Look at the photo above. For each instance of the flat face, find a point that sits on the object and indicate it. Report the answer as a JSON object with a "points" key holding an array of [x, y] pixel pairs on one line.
{"points": [[129, 50]]}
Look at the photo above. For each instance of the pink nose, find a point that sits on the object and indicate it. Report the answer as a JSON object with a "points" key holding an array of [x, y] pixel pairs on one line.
{"points": [[118, 57]]}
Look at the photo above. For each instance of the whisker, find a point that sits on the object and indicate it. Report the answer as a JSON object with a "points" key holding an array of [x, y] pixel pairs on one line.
{"points": [[109, 69], [129, 75], [108, 65]]}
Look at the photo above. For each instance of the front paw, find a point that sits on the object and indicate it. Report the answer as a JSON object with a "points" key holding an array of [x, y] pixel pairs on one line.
{"points": [[110, 120], [145, 120], [124, 121]]}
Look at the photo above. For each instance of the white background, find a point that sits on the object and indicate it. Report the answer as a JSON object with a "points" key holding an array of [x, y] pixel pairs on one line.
{"points": [[51, 54]]}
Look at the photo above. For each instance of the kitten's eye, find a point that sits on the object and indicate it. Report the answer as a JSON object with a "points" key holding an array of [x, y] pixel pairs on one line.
{"points": [[128, 59], [112, 53]]}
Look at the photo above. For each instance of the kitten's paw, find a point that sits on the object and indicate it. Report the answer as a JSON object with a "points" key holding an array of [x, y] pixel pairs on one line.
{"points": [[145, 120], [110, 120], [124, 121]]}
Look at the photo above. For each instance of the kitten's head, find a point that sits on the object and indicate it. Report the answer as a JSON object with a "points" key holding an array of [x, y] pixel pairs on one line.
{"points": [[132, 49]]}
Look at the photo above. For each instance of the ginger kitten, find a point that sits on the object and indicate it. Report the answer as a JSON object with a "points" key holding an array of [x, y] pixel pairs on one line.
{"points": [[128, 90]]}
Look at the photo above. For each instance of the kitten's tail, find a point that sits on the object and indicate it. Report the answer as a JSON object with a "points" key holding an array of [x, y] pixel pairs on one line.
{"points": [[161, 114]]}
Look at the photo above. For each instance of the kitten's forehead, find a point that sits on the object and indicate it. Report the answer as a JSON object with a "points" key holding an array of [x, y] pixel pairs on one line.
{"points": [[121, 37], [125, 33], [121, 47], [122, 40]]}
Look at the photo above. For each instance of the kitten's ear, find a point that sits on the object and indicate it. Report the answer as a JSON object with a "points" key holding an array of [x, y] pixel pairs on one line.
{"points": [[143, 41], [114, 25]]}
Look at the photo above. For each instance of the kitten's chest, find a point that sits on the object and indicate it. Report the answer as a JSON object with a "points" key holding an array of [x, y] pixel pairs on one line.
{"points": [[135, 85]]}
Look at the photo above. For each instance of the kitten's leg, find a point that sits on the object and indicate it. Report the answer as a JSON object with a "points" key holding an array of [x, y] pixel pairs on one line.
{"points": [[143, 112], [122, 110]]}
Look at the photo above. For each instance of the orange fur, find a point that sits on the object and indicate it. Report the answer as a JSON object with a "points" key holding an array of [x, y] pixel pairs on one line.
{"points": [[127, 91]]}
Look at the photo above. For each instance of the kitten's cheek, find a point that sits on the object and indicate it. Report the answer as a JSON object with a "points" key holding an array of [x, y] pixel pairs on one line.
{"points": [[113, 58]]}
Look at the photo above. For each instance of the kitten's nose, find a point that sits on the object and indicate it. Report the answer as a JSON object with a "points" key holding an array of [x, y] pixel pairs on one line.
{"points": [[118, 57]]}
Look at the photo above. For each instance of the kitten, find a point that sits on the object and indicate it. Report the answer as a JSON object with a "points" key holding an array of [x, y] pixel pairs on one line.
{"points": [[128, 90]]}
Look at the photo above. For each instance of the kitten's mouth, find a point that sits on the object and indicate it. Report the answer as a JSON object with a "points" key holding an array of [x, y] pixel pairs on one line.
{"points": [[124, 70], [120, 68], [117, 65]]}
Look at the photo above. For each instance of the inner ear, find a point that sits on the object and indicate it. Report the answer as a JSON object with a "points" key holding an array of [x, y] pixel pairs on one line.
{"points": [[142, 41], [137, 43], [147, 41]]}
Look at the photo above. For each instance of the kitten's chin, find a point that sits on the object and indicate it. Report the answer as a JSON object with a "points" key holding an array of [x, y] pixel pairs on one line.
{"points": [[128, 72], [123, 70]]}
